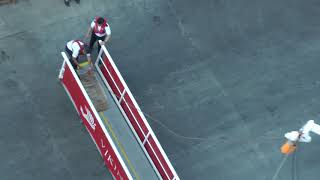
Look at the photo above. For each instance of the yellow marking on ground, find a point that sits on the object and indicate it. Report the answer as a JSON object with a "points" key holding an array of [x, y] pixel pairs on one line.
{"points": [[120, 146]]}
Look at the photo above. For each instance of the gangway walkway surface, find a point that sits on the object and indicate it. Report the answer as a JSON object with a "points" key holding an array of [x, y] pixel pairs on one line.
{"points": [[125, 141]]}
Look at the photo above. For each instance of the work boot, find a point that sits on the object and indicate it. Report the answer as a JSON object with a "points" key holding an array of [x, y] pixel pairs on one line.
{"points": [[67, 2], [77, 1]]}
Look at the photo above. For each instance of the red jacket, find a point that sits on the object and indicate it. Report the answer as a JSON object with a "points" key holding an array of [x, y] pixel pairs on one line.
{"points": [[81, 45], [102, 27]]}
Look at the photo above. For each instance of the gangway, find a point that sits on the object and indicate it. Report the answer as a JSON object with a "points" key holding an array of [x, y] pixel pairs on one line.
{"points": [[115, 122]]}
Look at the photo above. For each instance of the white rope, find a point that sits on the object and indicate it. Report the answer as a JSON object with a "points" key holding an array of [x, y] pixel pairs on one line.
{"points": [[275, 176], [164, 126], [173, 132], [190, 138]]}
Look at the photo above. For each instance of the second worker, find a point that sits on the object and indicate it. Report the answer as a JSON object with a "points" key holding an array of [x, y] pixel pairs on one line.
{"points": [[100, 30]]}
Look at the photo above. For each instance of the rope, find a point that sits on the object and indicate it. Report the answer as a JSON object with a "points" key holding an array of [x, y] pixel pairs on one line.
{"points": [[163, 125], [276, 174], [190, 138], [171, 131], [294, 166], [175, 134], [294, 171]]}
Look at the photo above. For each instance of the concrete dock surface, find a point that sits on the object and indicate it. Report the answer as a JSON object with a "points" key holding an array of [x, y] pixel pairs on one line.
{"points": [[221, 80]]}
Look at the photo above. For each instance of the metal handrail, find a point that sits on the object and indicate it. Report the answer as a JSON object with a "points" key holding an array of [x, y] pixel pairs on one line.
{"points": [[150, 132]]}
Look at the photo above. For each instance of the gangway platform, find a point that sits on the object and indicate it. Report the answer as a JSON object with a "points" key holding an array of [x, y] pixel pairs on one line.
{"points": [[114, 120]]}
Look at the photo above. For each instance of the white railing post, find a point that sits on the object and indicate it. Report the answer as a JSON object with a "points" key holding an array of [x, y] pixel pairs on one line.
{"points": [[62, 70], [99, 55], [125, 90], [105, 67], [146, 138], [122, 95], [155, 154]]}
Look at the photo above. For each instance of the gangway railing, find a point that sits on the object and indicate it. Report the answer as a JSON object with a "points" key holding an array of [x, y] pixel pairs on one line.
{"points": [[134, 116]]}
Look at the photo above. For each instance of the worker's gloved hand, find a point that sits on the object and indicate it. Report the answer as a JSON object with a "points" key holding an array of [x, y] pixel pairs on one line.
{"points": [[102, 43]]}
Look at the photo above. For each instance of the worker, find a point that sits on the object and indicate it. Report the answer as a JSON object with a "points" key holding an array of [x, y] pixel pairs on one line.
{"points": [[303, 135], [67, 2], [74, 48], [100, 30]]}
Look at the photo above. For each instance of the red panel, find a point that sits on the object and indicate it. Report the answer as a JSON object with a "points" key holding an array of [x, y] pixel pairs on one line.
{"points": [[110, 82], [132, 121], [129, 105], [127, 98], [113, 74], [160, 157], [93, 126], [136, 113]]}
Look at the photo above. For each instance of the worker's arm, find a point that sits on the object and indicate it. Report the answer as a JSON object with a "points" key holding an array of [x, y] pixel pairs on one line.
{"points": [[75, 62], [75, 54], [107, 38], [90, 29], [108, 35], [89, 32]]}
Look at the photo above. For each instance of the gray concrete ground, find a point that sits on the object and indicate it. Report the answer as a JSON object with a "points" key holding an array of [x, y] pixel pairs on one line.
{"points": [[228, 77]]}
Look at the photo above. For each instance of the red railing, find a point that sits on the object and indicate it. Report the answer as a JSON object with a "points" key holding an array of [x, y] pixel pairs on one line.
{"points": [[134, 116]]}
